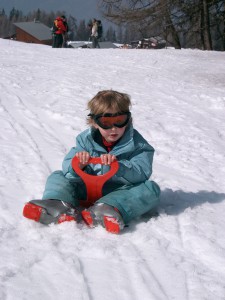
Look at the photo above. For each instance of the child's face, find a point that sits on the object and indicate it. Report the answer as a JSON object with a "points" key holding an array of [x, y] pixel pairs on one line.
{"points": [[111, 135]]}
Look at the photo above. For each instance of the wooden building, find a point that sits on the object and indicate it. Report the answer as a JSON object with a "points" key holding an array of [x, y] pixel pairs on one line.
{"points": [[33, 32]]}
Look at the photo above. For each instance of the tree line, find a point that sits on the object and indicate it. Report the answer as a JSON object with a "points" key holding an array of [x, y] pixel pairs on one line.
{"points": [[183, 23], [78, 31]]}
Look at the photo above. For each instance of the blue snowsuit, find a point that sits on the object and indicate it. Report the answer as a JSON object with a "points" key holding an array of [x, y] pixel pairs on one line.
{"points": [[129, 190]]}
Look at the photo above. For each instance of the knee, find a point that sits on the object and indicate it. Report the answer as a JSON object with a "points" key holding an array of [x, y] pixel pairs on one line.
{"points": [[57, 173], [153, 187]]}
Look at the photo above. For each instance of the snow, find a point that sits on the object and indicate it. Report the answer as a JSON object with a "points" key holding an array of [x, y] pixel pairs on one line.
{"points": [[178, 105]]}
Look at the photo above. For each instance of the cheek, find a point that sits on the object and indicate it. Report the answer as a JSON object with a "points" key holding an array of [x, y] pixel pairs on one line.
{"points": [[103, 132], [122, 130], [95, 125]]}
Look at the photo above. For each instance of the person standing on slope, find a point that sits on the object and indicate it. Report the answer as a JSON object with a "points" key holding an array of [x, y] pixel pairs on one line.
{"points": [[65, 34], [59, 29], [94, 34]]}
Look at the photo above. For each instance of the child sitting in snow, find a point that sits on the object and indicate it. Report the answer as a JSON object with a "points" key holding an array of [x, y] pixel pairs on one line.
{"points": [[127, 195]]}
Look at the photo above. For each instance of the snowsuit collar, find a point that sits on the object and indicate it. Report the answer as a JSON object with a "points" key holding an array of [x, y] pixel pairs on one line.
{"points": [[125, 144]]}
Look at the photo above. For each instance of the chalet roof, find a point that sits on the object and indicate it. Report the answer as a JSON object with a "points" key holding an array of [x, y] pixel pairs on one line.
{"points": [[36, 29]]}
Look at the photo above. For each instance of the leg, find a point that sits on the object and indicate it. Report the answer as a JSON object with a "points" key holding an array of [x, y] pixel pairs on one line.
{"points": [[64, 44], [94, 42], [133, 201], [117, 208], [53, 40], [58, 40], [60, 188], [97, 44], [59, 201]]}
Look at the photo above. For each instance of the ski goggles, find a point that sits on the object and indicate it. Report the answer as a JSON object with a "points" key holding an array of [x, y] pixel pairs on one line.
{"points": [[107, 121]]}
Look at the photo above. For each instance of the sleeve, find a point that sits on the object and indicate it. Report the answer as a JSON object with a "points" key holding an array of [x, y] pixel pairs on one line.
{"points": [[138, 168], [66, 165]]}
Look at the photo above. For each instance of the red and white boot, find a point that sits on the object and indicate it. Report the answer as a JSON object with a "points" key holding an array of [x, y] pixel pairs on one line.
{"points": [[50, 211], [105, 215]]}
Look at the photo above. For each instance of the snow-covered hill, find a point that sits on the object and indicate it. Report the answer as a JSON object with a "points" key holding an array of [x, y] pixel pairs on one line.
{"points": [[178, 106]]}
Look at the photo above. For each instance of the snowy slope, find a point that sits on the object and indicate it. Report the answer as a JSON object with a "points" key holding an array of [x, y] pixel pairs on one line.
{"points": [[178, 105]]}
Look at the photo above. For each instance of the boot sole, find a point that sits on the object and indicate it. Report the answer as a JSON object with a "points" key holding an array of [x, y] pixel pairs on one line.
{"points": [[32, 211]]}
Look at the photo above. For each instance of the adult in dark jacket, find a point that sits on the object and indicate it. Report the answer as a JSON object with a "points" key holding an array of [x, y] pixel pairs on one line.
{"points": [[65, 34]]}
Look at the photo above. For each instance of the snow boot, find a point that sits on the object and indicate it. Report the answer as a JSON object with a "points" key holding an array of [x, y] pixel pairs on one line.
{"points": [[50, 211], [105, 215]]}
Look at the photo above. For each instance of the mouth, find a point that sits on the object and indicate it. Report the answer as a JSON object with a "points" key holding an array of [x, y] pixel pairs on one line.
{"points": [[113, 135]]}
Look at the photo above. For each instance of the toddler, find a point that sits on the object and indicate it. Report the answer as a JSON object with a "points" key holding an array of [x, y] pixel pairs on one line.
{"points": [[127, 195]]}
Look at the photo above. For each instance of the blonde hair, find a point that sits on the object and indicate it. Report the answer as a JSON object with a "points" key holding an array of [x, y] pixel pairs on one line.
{"points": [[108, 100]]}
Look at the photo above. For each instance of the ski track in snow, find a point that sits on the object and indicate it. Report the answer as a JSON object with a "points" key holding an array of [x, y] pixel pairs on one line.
{"points": [[178, 105]]}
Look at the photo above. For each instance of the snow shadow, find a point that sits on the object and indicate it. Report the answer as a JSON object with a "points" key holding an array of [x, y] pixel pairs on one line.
{"points": [[175, 202]]}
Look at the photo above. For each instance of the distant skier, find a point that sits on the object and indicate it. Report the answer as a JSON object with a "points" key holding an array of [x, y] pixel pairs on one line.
{"points": [[127, 195], [94, 34]]}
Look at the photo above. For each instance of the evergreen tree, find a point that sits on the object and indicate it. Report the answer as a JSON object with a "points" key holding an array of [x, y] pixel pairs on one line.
{"points": [[111, 34], [82, 32], [2, 12]]}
